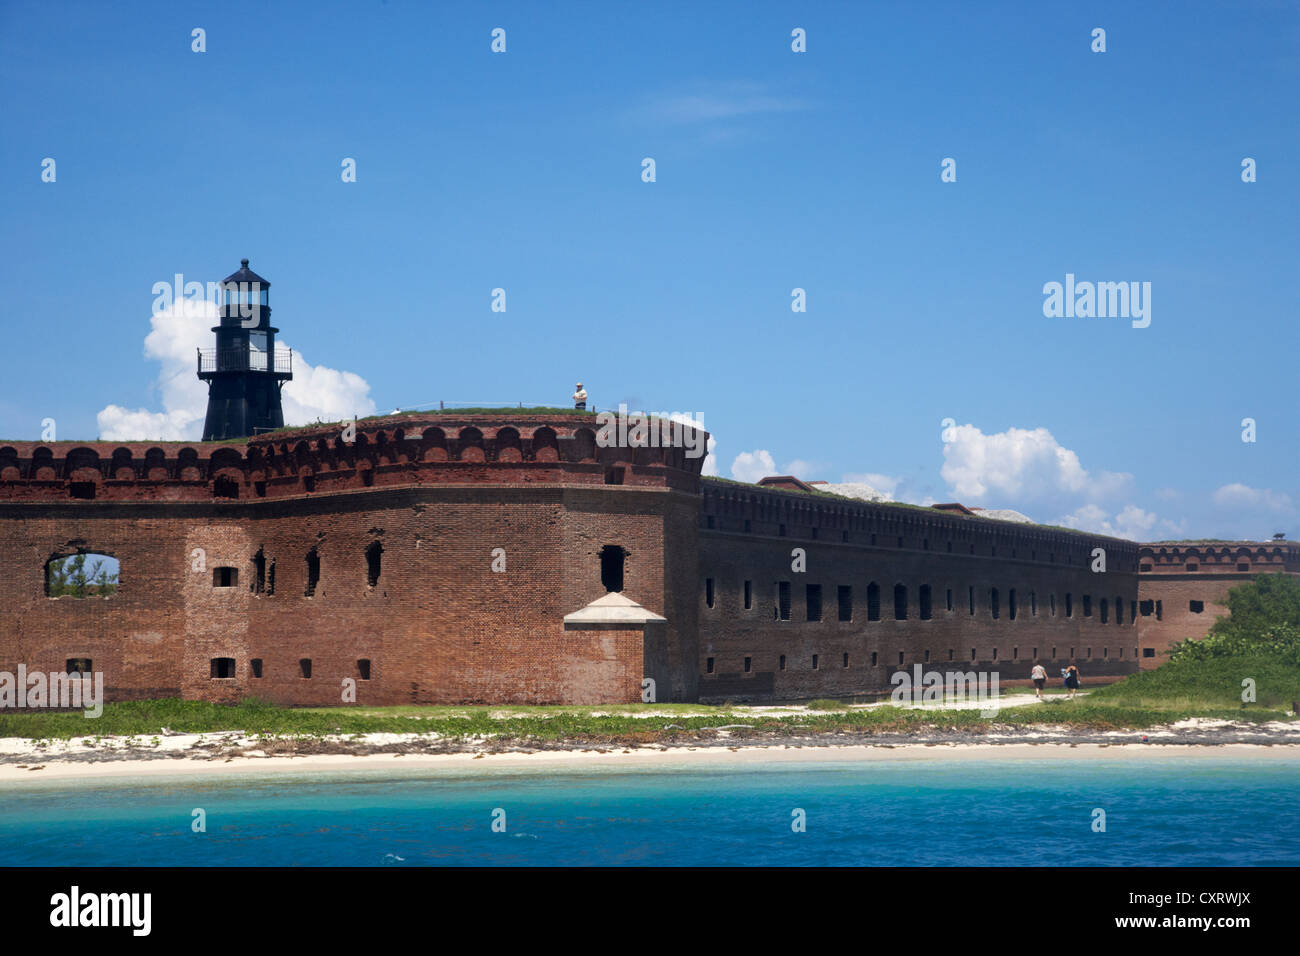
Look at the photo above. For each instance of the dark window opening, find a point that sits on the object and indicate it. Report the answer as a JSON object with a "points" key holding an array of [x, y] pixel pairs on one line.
{"points": [[78, 665], [781, 530], [972, 653], [708, 591], [1011, 604], [363, 669], [1147, 608], [1069, 606], [1191, 566], [846, 658], [225, 487], [259, 489], [82, 489], [1196, 607], [994, 609], [783, 600], [749, 595], [900, 657], [367, 477], [844, 598], [782, 662], [614, 476], [949, 599], [221, 668], [308, 482], [873, 601], [923, 599], [1243, 566], [304, 667], [900, 602], [313, 572], [374, 559], [748, 664], [1148, 652], [971, 597], [927, 655], [1160, 610], [1144, 567], [1104, 617], [612, 561], [255, 665], [813, 601], [708, 665], [814, 662], [873, 658], [224, 577], [1087, 605]]}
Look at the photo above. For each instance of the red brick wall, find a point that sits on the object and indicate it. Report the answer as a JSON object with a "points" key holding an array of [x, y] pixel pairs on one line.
{"points": [[1027, 558]]}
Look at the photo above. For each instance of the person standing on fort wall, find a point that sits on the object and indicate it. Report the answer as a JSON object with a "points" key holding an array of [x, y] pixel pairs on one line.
{"points": [[1039, 676], [1072, 679], [580, 398]]}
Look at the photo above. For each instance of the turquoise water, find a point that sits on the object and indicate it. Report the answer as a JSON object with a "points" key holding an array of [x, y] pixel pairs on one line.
{"points": [[1201, 811]]}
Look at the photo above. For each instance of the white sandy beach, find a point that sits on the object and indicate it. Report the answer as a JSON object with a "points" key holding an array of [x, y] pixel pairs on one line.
{"points": [[628, 758]]}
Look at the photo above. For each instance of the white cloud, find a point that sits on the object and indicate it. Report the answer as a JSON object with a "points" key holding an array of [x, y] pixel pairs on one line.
{"points": [[1021, 465], [804, 470], [315, 392], [753, 465], [1129, 522], [1239, 496]]}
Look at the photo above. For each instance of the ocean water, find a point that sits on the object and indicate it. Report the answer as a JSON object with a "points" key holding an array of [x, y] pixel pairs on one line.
{"points": [[1162, 811]]}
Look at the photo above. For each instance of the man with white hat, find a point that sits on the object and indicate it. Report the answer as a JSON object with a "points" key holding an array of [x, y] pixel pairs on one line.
{"points": [[580, 398]]}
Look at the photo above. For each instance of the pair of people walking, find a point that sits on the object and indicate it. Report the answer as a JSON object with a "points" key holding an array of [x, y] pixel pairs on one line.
{"points": [[1039, 677]]}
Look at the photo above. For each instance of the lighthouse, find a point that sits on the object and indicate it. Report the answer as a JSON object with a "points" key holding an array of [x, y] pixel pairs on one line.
{"points": [[245, 371]]}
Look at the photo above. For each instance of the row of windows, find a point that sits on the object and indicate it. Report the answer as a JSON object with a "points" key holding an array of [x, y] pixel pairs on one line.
{"points": [[747, 663], [1194, 566], [844, 607], [1156, 607], [223, 668], [612, 561]]}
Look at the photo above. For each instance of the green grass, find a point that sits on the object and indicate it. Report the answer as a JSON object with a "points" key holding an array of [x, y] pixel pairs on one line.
{"points": [[1210, 683], [601, 724]]}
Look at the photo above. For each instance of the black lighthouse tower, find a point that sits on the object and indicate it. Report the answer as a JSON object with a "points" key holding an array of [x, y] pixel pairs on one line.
{"points": [[244, 372]]}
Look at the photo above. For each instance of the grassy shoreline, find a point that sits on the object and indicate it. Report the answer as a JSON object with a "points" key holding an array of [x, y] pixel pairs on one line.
{"points": [[633, 723]]}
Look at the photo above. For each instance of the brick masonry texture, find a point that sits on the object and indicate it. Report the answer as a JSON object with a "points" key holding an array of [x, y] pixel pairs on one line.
{"points": [[438, 494]]}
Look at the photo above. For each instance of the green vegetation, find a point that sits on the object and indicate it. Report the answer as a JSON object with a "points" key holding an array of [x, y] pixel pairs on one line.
{"points": [[1258, 640], [68, 577]]}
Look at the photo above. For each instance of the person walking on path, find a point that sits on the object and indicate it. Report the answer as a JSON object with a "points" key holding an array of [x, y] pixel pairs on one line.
{"points": [[1039, 675], [1072, 679]]}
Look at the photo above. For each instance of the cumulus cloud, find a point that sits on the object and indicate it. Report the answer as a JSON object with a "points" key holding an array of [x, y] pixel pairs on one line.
{"points": [[1239, 496], [753, 465], [1129, 522], [316, 392], [1019, 465]]}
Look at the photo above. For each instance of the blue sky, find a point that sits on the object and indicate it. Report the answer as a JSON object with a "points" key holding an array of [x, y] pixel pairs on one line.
{"points": [[775, 170]]}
